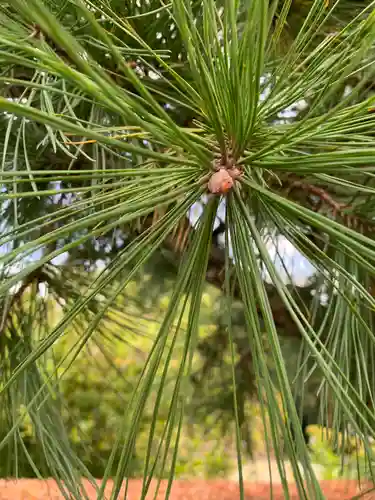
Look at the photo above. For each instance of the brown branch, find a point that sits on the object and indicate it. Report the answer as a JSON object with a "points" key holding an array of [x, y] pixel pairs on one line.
{"points": [[321, 193], [338, 209]]}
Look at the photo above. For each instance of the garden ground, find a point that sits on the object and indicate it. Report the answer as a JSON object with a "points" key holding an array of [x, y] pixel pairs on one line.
{"points": [[33, 489]]}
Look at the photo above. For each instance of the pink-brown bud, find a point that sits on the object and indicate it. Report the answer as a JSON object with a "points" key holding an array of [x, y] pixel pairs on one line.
{"points": [[220, 182]]}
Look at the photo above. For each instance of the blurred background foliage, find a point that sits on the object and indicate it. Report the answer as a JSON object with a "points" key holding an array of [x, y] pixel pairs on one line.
{"points": [[94, 386]]}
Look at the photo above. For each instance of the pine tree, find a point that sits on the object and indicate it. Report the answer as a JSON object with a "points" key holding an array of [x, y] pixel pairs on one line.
{"points": [[117, 119]]}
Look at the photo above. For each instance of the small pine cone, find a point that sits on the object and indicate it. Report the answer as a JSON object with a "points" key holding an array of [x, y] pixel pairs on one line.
{"points": [[220, 182]]}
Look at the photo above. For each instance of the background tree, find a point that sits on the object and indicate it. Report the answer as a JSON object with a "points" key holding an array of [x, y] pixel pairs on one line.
{"points": [[118, 117]]}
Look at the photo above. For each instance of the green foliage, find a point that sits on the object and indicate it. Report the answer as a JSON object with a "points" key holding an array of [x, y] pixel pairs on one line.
{"points": [[95, 398], [325, 451], [95, 388], [95, 394], [118, 118]]}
